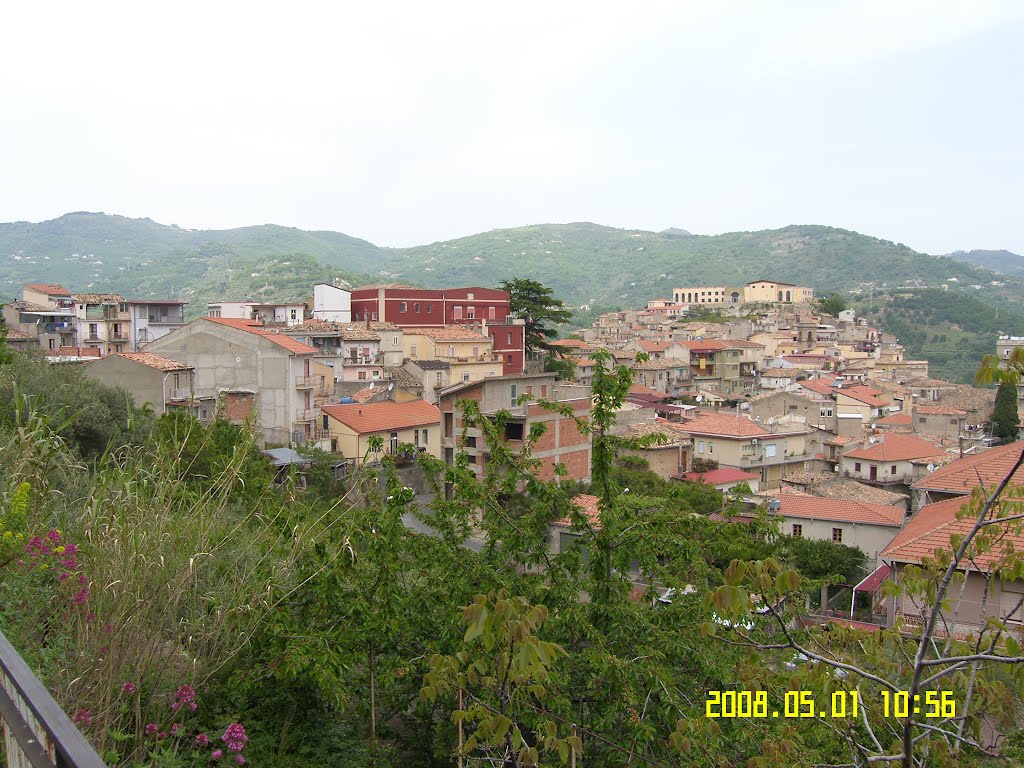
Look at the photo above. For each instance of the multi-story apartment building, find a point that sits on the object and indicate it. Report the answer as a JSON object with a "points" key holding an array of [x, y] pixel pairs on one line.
{"points": [[45, 316], [245, 371], [165, 384], [268, 314], [103, 322], [562, 442], [469, 352], [759, 291], [151, 319]]}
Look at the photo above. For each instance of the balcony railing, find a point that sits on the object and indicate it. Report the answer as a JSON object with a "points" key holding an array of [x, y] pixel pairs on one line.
{"points": [[304, 415], [179, 393], [779, 458], [93, 337], [308, 382], [37, 732]]}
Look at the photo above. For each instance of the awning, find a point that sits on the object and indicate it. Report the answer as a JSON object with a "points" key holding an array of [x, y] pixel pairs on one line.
{"points": [[874, 579]]}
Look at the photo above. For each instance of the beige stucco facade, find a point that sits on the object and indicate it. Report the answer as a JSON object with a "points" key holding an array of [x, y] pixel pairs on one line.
{"points": [[162, 390], [353, 445], [871, 538], [772, 292]]}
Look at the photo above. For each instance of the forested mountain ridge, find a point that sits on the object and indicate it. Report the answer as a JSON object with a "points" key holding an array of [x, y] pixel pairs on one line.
{"points": [[587, 265]]}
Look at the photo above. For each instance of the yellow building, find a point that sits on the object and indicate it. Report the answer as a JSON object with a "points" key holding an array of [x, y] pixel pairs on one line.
{"points": [[351, 427], [707, 294], [469, 353], [768, 291]]}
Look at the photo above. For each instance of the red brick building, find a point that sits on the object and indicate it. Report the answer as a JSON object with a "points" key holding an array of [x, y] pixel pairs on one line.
{"points": [[561, 443], [408, 307]]}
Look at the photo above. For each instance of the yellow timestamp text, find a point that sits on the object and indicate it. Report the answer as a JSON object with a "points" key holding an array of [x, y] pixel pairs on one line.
{"points": [[754, 704]]}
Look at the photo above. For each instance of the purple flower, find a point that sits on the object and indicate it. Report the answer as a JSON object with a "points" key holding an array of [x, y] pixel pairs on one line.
{"points": [[53, 536], [151, 729], [128, 687], [82, 717], [234, 737], [193, 706], [81, 596], [104, 650], [217, 754], [239, 759], [202, 740], [176, 706], [185, 694], [175, 728], [63, 576], [108, 628], [163, 735], [82, 579]]}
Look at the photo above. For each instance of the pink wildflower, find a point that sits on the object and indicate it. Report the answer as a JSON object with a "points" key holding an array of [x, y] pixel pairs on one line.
{"points": [[81, 596], [53, 536], [90, 616], [202, 740], [193, 706], [175, 728], [82, 579], [151, 729], [217, 754], [108, 628], [128, 687], [163, 735], [63, 576], [239, 759], [176, 706], [82, 717], [234, 737]]}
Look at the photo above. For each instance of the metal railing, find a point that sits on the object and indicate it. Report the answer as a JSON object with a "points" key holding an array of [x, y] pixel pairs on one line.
{"points": [[37, 732], [303, 414]]}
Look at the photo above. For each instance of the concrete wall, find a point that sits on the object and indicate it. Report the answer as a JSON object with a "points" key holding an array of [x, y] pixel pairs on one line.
{"points": [[146, 384], [354, 446]]}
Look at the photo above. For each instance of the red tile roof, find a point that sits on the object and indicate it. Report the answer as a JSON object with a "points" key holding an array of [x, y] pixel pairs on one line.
{"points": [[14, 334], [896, 447], [839, 510], [742, 344], [865, 395], [449, 333], [938, 410], [256, 327], [153, 361], [588, 506], [986, 468], [368, 418], [51, 289], [896, 420], [723, 424], [574, 343], [639, 390], [653, 346], [718, 476], [821, 386], [931, 528], [704, 346]]}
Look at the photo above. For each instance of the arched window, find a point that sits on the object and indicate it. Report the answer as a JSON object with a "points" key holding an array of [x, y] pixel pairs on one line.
{"points": [[735, 296], [780, 295], [788, 294]]}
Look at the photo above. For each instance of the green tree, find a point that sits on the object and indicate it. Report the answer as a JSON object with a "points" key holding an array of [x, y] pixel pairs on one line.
{"points": [[1005, 419], [535, 303], [832, 305], [5, 353]]}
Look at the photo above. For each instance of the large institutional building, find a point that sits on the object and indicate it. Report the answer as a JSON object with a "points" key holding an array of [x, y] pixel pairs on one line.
{"points": [[760, 291]]}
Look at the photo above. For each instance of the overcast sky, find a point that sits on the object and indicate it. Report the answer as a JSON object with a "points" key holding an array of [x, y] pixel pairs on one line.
{"points": [[406, 123]]}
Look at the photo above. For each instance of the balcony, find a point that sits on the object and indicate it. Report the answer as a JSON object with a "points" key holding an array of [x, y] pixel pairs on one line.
{"points": [[105, 313], [304, 415], [308, 382], [362, 359], [93, 338], [37, 731], [779, 458], [179, 394]]}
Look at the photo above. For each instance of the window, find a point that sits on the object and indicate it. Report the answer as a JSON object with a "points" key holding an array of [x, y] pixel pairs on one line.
{"points": [[438, 377], [53, 343], [177, 380], [429, 306], [412, 350], [769, 450], [396, 341], [294, 315], [374, 316], [476, 351], [425, 436], [416, 437], [470, 313], [747, 449], [922, 420], [510, 338], [451, 351], [416, 308], [837, 535], [457, 313], [469, 297], [700, 446], [376, 373], [711, 447], [465, 376], [361, 375], [798, 531], [856, 467], [826, 410], [892, 470], [402, 306], [543, 390], [793, 408], [490, 313], [513, 393], [508, 359], [394, 442]]}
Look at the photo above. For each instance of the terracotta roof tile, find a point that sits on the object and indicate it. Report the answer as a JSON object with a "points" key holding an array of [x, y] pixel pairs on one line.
{"points": [[723, 424], [449, 333], [707, 345], [897, 447], [987, 467], [256, 327], [14, 334], [938, 410], [896, 420], [153, 361], [384, 417], [50, 288], [795, 504], [346, 331], [99, 298], [588, 505], [931, 528]]}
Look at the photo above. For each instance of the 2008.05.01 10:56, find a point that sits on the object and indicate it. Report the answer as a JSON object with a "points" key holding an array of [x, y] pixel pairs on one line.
{"points": [[744, 704]]}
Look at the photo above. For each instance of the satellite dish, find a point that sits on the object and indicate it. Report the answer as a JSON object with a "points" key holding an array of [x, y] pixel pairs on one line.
{"points": [[835, 467], [372, 385], [931, 467], [872, 440], [391, 386]]}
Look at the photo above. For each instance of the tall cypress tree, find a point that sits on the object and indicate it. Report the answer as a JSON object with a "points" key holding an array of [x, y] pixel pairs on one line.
{"points": [[1005, 419]]}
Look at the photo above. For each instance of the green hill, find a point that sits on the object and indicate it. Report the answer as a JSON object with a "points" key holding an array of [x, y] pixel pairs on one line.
{"points": [[586, 265], [1003, 262]]}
